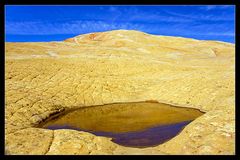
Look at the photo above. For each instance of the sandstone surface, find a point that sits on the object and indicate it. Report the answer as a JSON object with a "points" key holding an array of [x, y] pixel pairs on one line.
{"points": [[46, 78]]}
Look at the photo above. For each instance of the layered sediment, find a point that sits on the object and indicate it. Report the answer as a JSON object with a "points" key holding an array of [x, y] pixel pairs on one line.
{"points": [[46, 78]]}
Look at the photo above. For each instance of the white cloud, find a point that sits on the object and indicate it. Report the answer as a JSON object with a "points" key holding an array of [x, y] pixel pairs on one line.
{"points": [[74, 27], [132, 18], [80, 27], [198, 16], [212, 7]]}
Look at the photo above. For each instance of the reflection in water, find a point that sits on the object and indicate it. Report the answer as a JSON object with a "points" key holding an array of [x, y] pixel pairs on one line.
{"points": [[140, 124]]}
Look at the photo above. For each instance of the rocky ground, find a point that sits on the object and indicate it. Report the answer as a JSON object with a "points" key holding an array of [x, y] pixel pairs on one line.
{"points": [[46, 78]]}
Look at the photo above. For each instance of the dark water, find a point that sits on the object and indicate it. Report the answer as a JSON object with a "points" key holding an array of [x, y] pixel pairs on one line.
{"points": [[140, 124], [146, 138]]}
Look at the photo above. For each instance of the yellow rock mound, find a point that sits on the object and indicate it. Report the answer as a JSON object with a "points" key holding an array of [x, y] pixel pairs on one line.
{"points": [[45, 78]]}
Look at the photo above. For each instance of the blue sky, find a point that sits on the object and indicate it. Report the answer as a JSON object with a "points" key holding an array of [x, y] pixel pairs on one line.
{"points": [[56, 23]]}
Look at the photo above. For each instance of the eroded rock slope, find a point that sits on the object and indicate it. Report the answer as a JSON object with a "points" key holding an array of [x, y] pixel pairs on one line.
{"points": [[45, 78]]}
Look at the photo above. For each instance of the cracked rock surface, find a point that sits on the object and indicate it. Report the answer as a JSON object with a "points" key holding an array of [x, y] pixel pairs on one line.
{"points": [[45, 78]]}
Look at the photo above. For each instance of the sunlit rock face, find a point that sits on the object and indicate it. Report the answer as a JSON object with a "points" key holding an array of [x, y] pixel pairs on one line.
{"points": [[46, 78]]}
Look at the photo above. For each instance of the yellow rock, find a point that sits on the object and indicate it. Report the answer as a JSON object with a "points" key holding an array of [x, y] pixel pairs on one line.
{"points": [[45, 78]]}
